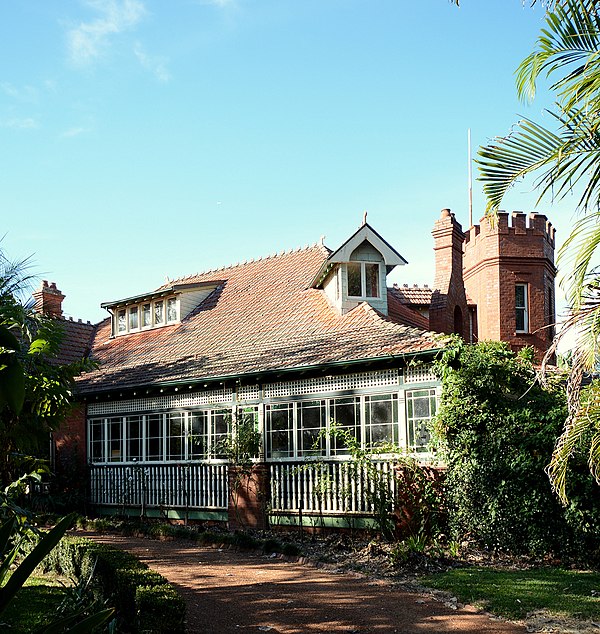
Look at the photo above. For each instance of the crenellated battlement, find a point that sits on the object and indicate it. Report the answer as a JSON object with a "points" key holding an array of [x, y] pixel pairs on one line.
{"points": [[515, 224]]}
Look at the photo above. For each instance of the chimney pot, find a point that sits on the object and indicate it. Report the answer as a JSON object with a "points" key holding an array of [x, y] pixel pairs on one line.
{"points": [[48, 300]]}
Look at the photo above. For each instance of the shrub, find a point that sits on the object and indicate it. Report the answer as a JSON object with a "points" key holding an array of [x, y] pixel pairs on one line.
{"points": [[497, 427], [119, 576], [159, 609], [291, 550]]}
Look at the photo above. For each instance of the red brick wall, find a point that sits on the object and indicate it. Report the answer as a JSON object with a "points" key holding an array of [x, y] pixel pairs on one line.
{"points": [[498, 255], [70, 441]]}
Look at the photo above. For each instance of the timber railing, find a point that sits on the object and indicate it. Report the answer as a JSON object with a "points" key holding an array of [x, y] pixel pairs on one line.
{"points": [[185, 485], [329, 487]]}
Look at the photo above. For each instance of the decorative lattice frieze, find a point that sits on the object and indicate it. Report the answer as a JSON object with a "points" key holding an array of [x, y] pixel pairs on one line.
{"points": [[158, 403], [248, 393], [363, 380], [419, 374]]}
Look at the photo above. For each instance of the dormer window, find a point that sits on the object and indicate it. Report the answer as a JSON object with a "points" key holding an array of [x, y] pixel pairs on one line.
{"points": [[363, 279], [357, 271], [134, 322], [145, 315], [163, 307], [172, 315], [159, 313]]}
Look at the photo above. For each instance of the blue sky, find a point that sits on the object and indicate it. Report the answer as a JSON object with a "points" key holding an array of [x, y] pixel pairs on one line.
{"points": [[141, 139]]}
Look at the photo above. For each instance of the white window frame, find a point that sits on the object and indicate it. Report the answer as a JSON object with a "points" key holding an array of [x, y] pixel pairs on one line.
{"points": [[524, 308], [139, 307], [167, 301], [414, 422], [142, 326], [363, 280]]}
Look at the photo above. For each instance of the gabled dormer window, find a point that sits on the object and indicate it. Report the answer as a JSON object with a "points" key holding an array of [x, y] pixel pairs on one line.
{"points": [[363, 279], [356, 272]]}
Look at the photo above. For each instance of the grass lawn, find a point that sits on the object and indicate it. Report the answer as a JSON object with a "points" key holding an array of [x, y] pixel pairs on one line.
{"points": [[36, 601], [514, 593]]}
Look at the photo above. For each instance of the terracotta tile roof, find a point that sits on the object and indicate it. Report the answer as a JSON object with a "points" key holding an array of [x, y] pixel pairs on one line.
{"points": [[262, 317], [399, 312], [76, 341], [415, 295]]}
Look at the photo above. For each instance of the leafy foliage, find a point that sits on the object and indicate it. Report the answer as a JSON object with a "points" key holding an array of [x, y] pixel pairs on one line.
{"points": [[417, 509], [241, 447], [497, 427], [35, 391], [564, 160], [143, 599]]}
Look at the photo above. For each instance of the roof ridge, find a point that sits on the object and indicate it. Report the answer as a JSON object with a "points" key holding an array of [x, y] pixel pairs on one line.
{"points": [[417, 286], [263, 258]]}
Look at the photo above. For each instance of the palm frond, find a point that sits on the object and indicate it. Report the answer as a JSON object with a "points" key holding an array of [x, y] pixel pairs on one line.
{"points": [[581, 422], [576, 256], [559, 161], [569, 46]]}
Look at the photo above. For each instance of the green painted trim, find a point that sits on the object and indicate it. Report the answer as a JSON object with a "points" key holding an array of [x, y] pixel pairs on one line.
{"points": [[325, 521], [172, 514]]}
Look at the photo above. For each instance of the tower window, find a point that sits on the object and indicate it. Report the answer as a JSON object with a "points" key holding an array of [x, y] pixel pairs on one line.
{"points": [[521, 308]]}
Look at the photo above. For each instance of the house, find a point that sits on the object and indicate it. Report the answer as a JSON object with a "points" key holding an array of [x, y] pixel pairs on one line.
{"points": [[292, 341]]}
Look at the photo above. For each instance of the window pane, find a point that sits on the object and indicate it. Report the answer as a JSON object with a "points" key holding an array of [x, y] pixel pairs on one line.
{"points": [[311, 420], [172, 309], [354, 282], [134, 437], [122, 324], [159, 316], [133, 318], [146, 316], [345, 413], [381, 417], [115, 439], [521, 308], [372, 279], [249, 412], [154, 437], [279, 430], [198, 439], [420, 409], [520, 296], [97, 440], [175, 438], [220, 428]]}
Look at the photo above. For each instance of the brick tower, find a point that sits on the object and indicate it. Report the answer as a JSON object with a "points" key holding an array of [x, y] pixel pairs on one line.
{"points": [[509, 273]]}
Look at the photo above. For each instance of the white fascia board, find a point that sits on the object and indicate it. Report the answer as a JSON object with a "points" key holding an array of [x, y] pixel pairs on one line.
{"points": [[391, 257]]}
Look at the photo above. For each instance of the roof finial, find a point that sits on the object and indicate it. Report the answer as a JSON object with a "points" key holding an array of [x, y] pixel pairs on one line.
{"points": [[364, 217], [322, 240]]}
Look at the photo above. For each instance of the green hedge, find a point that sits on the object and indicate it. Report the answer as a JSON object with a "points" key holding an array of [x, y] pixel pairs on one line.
{"points": [[498, 426], [144, 600]]}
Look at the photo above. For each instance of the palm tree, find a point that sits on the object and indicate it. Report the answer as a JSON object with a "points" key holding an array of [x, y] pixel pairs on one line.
{"points": [[561, 161], [35, 390]]}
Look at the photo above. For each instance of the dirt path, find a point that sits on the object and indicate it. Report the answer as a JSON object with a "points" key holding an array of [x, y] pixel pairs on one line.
{"points": [[228, 591]]}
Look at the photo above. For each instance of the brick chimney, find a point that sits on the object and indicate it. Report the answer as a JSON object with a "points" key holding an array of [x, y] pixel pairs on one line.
{"points": [[48, 300], [448, 312]]}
